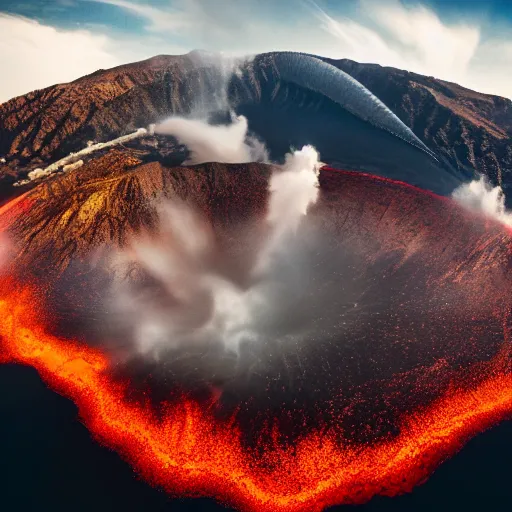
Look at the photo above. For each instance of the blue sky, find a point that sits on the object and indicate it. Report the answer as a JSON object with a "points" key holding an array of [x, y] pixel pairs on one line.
{"points": [[49, 41]]}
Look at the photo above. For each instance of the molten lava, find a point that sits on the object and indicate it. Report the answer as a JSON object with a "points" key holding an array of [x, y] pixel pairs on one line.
{"points": [[188, 452], [443, 306]]}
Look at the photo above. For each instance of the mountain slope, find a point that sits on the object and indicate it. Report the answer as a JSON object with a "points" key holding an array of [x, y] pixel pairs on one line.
{"points": [[468, 130], [466, 127]]}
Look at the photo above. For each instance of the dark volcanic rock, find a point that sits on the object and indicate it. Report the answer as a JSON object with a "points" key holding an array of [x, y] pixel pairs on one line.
{"points": [[399, 282], [467, 128]]}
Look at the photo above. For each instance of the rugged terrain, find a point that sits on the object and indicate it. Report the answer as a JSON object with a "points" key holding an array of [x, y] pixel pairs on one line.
{"points": [[414, 285], [469, 130], [113, 197]]}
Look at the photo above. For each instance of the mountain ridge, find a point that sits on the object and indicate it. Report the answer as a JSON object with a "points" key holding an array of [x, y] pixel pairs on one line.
{"points": [[467, 129]]}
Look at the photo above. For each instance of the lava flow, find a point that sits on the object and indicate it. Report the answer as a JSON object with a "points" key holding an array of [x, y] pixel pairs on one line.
{"points": [[431, 283], [189, 453]]}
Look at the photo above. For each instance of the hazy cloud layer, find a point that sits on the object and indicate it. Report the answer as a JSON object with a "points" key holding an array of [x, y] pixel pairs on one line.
{"points": [[380, 31], [34, 56]]}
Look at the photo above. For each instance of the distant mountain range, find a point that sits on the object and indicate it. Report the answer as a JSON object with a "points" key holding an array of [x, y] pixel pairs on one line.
{"points": [[467, 130]]}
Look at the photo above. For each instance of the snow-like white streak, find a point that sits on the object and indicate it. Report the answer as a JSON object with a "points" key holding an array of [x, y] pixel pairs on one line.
{"points": [[37, 174], [480, 195], [73, 167], [73, 157], [71, 161]]}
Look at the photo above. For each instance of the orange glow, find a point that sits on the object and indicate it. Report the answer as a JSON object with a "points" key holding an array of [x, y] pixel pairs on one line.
{"points": [[190, 453]]}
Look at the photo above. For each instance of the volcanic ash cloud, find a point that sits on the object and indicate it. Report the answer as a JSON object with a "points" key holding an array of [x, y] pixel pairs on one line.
{"points": [[190, 302]]}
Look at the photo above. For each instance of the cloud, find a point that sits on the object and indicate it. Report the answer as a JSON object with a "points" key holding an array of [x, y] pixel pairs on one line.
{"points": [[385, 32], [411, 38], [416, 39], [34, 56], [489, 68], [159, 20]]}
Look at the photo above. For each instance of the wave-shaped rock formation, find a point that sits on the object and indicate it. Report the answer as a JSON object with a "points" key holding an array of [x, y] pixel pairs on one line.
{"points": [[290, 99], [293, 99], [472, 131], [314, 74]]}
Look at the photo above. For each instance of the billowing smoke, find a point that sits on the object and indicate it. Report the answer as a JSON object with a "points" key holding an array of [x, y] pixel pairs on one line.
{"points": [[215, 143], [185, 296], [481, 196], [291, 192], [189, 300], [206, 142]]}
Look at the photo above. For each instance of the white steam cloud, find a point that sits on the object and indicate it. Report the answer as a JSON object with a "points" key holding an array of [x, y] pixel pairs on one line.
{"points": [[215, 143], [228, 143], [191, 300], [186, 297], [480, 195], [292, 191]]}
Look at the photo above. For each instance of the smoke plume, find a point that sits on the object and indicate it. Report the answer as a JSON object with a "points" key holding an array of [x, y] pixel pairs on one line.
{"points": [[480, 195], [215, 143], [228, 143], [211, 90], [189, 301]]}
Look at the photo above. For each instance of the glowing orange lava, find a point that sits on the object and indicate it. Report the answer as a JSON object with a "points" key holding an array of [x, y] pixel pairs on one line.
{"points": [[190, 453]]}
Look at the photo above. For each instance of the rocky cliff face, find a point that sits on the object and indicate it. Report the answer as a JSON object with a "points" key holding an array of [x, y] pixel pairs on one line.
{"points": [[45, 124], [111, 198], [467, 128]]}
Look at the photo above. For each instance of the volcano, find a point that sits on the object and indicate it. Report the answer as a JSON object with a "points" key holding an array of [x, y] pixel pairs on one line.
{"points": [[402, 309], [387, 343]]}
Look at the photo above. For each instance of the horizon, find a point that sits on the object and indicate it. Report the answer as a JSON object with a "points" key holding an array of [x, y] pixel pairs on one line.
{"points": [[451, 41], [245, 57]]}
